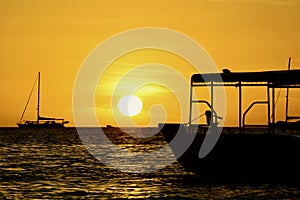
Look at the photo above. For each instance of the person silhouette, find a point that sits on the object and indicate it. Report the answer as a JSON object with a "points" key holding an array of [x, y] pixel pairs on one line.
{"points": [[208, 116]]}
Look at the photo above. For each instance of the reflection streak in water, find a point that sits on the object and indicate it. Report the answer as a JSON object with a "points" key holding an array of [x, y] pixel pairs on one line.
{"points": [[54, 164]]}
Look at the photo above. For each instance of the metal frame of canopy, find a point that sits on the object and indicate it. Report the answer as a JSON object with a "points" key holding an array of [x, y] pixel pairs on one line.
{"points": [[269, 79]]}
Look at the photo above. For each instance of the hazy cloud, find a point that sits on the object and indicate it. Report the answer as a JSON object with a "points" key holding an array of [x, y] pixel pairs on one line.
{"points": [[269, 2]]}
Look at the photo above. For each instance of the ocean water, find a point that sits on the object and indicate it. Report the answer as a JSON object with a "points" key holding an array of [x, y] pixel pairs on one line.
{"points": [[55, 164]]}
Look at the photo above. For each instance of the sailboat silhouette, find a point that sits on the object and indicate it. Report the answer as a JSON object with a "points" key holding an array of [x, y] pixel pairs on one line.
{"points": [[40, 122]]}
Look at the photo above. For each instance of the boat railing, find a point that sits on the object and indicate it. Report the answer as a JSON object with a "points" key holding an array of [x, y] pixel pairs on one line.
{"points": [[248, 109]]}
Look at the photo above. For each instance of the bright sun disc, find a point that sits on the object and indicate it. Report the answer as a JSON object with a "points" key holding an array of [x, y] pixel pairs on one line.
{"points": [[130, 105]]}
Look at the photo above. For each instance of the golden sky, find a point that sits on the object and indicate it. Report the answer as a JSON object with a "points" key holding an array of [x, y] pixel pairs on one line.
{"points": [[55, 36]]}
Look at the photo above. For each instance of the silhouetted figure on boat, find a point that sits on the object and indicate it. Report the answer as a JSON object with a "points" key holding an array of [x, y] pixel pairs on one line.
{"points": [[208, 117]]}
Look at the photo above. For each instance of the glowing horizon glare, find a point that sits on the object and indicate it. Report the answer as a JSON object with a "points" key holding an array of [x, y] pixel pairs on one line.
{"points": [[130, 105]]}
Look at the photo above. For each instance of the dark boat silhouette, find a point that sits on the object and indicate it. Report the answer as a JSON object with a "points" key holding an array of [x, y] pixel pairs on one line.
{"points": [[247, 157], [243, 153], [40, 122]]}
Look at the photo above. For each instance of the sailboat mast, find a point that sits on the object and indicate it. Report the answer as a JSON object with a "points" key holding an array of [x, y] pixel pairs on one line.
{"points": [[38, 101], [287, 95]]}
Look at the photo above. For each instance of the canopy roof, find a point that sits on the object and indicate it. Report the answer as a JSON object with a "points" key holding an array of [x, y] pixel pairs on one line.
{"points": [[287, 77]]}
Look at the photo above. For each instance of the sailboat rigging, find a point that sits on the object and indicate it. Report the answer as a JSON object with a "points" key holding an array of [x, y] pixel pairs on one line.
{"points": [[40, 122], [290, 122]]}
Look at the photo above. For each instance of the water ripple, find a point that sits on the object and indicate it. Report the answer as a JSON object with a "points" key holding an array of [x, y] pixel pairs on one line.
{"points": [[55, 165]]}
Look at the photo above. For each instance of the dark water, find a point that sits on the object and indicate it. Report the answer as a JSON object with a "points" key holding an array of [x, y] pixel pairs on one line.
{"points": [[54, 164]]}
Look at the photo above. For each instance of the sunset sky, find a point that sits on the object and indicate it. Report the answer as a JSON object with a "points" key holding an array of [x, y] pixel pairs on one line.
{"points": [[56, 36]]}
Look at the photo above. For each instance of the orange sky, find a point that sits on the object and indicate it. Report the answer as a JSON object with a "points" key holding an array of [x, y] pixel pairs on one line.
{"points": [[55, 36]]}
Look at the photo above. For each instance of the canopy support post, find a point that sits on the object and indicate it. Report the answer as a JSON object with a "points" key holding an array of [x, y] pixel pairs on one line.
{"points": [[240, 106]]}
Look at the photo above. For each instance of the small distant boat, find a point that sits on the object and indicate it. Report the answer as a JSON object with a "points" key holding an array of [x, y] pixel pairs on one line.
{"points": [[40, 122]]}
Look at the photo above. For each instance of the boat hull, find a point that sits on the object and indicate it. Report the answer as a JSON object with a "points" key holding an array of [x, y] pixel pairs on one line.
{"points": [[53, 125], [241, 157]]}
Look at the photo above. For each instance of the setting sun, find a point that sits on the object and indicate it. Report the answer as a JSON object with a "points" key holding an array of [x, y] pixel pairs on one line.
{"points": [[130, 105]]}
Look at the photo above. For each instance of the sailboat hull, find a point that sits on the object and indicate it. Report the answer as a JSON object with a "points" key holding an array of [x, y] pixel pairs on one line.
{"points": [[41, 125]]}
